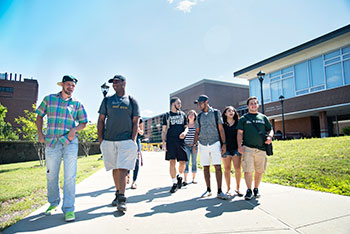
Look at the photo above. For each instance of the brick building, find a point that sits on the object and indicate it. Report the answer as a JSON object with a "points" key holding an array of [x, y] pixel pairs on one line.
{"points": [[17, 95], [314, 79], [221, 94]]}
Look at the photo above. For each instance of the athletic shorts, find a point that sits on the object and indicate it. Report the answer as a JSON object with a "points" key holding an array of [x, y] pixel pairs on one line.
{"points": [[254, 159], [175, 149], [119, 154], [209, 153]]}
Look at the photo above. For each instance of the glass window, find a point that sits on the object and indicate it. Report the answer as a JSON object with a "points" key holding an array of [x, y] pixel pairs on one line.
{"points": [[334, 76], [254, 88], [288, 88], [346, 50], [317, 88], [302, 92], [346, 56], [276, 73], [316, 71], [266, 88], [331, 54], [347, 71], [301, 77], [286, 70], [332, 61], [276, 90]]}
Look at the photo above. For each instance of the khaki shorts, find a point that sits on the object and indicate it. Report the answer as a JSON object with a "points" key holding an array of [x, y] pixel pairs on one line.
{"points": [[119, 154], [253, 158]]}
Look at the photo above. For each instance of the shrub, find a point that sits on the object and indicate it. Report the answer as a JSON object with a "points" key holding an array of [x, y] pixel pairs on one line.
{"points": [[346, 131]]}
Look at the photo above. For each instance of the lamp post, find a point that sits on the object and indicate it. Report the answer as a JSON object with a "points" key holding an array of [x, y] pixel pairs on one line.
{"points": [[284, 131], [261, 75], [104, 89]]}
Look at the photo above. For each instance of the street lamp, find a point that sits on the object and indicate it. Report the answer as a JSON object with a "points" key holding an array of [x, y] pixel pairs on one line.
{"points": [[261, 75], [104, 89], [284, 131]]}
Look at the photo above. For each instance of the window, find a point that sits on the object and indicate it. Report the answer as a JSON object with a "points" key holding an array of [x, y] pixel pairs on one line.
{"points": [[347, 71], [254, 88], [266, 89], [6, 89], [288, 88], [276, 90], [334, 76], [301, 77], [316, 72]]}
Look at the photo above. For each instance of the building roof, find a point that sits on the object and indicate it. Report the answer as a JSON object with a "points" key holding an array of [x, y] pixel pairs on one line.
{"points": [[207, 81], [296, 49]]}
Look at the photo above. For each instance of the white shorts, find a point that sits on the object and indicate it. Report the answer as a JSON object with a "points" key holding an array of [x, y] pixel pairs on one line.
{"points": [[119, 154], [207, 152]]}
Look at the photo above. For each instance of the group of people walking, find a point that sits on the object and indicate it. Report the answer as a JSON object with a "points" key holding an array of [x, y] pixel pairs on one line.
{"points": [[218, 138]]}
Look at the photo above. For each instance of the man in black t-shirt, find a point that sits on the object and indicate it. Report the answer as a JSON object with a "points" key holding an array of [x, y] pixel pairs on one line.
{"points": [[174, 130]]}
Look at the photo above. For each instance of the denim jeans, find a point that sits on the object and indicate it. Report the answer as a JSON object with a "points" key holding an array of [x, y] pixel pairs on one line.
{"points": [[54, 155], [190, 155]]}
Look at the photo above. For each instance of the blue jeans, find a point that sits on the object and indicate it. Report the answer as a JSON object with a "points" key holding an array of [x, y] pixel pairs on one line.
{"points": [[54, 155], [190, 155]]}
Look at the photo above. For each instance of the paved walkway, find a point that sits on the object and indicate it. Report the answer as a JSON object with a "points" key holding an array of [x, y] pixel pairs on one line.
{"points": [[152, 209]]}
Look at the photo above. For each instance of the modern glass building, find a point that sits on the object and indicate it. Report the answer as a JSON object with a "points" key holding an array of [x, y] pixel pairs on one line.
{"points": [[313, 78]]}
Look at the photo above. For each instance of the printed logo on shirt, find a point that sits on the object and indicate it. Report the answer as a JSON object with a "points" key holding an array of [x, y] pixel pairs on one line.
{"points": [[259, 121], [178, 119]]}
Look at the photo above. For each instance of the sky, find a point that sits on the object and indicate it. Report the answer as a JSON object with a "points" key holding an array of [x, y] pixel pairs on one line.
{"points": [[160, 46]]}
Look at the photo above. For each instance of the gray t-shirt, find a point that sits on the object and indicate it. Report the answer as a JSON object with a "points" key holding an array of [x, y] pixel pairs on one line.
{"points": [[119, 113], [208, 133]]}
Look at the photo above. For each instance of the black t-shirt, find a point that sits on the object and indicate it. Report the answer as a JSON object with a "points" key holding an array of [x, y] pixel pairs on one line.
{"points": [[231, 136], [177, 122]]}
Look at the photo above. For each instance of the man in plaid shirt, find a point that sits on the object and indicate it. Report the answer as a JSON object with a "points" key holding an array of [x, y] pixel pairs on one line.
{"points": [[63, 114]]}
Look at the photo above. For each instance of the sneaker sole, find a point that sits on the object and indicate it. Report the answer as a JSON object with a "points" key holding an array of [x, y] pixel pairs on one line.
{"points": [[248, 198], [121, 209], [69, 220]]}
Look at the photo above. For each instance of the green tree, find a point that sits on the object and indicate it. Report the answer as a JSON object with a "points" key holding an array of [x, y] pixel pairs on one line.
{"points": [[28, 131], [87, 136], [6, 131]]}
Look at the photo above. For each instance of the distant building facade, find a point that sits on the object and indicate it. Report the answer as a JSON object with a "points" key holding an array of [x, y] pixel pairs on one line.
{"points": [[221, 94], [314, 79], [17, 95]]}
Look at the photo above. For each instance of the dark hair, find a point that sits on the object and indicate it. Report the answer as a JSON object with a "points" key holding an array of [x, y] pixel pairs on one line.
{"points": [[251, 98], [173, 99], [235, 117], [141, 121], [195, 114]]}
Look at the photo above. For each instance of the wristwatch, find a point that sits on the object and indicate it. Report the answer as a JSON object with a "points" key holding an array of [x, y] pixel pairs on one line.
{"points": [[224, 143]]}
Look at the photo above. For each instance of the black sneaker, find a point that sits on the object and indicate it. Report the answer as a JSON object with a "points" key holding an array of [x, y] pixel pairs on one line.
{"points": [[249, 195], [256, 192], [121, 203], [184, 183], [114, 202], [174, 188], [179, 182]]}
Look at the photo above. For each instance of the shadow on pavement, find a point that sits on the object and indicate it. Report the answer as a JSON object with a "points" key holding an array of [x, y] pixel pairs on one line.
{"points": [[214, 206], [150, 195], [97, 193]]}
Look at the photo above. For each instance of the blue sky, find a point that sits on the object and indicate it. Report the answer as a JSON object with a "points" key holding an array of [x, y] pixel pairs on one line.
{"points": [[160, 46]]}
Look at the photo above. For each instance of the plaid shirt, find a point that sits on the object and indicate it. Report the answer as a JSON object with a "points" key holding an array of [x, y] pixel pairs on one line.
{"points": [[62, 116]]}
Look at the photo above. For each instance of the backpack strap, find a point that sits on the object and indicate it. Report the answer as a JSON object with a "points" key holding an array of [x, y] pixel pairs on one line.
{"points": [[256, 127]]}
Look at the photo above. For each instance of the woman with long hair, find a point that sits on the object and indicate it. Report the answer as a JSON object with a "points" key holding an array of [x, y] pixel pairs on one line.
{"points": [[230, 118], [191, 154]]}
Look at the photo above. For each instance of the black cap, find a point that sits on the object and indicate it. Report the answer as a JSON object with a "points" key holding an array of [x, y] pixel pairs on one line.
{"points": [[117, 77], [201, 98], [67, 78]]}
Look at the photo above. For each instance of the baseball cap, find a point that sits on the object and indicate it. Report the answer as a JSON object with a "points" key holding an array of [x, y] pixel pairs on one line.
{"points": [[201, 98], [117, 77], [67, 78]]}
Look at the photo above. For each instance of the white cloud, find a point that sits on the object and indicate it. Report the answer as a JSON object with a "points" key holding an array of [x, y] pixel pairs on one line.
{"points": [[170, 1], [186, 6], [147, 113]]}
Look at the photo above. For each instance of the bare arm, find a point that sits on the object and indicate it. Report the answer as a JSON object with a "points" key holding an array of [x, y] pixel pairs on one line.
{"points": [[135, 127], [164, 127], [223, 138], [184, 133], [239, 141], [269, 137], [39, 125], [100, 127], [141, 126]]}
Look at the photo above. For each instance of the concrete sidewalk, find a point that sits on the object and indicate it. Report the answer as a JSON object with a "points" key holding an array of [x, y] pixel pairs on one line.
{"points": [[153, 209]]}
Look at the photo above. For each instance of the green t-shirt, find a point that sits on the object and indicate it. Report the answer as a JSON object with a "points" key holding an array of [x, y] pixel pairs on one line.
{"points": [[251, 137]]}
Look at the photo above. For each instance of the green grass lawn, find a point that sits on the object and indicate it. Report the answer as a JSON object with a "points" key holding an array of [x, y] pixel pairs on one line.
{"points": [[321, 164], [23, 186]]}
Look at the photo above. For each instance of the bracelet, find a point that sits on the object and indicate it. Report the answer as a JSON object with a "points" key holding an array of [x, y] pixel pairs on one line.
{"points": [[224, 143]]}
